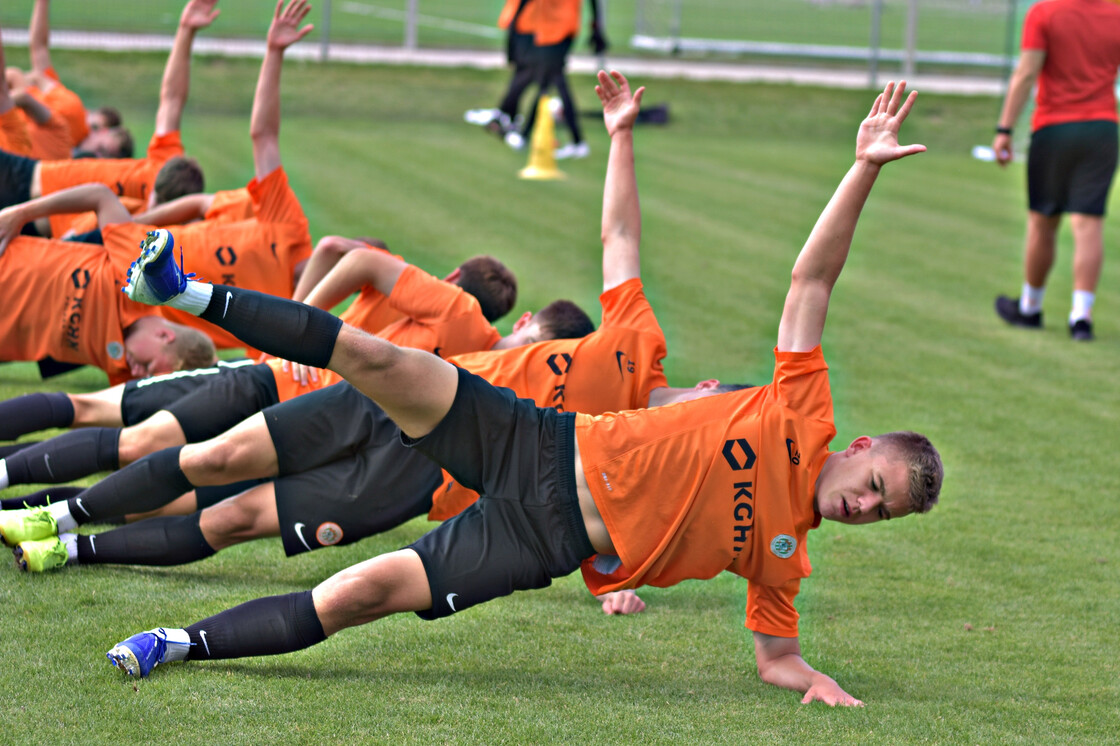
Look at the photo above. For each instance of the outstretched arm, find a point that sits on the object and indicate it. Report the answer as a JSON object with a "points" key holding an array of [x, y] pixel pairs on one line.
{"points": [[5, 95], [358, 267], [822, 258], [39, 35], [87, 197], [780, 663], [1018, 91], [622, 215], [324, 257], [178, 211], [177, 74], [264, 128]]}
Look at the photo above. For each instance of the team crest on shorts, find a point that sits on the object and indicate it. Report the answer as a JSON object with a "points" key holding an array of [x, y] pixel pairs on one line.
{"points": [[115, 350], [328, 533], [783, 545]]}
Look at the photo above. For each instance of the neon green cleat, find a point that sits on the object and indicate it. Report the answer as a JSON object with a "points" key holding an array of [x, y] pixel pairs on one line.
{"points": [[40, 556], [26, 524]]}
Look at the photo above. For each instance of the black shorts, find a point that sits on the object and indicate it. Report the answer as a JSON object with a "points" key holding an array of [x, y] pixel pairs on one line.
{"points": [[1070, 167], [223, 401], [344, 473], [144, 397], [552, 58], [526, 528], [16, 173]]}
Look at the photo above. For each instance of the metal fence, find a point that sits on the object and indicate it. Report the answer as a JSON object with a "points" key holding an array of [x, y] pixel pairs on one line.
{"points": [[907, 34]]}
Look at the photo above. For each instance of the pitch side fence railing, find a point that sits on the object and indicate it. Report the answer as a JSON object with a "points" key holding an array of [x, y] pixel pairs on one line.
{"points": [[904, 35]]}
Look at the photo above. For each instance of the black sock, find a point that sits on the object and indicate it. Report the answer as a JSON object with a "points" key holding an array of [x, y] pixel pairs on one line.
{"points": [[264, 626], [143, 485], [11, 448], [280, 327], [33, 412], [172, 540], [66, 457], [41, 498]]}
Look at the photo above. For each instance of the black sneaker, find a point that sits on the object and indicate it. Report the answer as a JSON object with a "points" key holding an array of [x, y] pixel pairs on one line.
{"points": [[1081, 330], [1008, 310]]}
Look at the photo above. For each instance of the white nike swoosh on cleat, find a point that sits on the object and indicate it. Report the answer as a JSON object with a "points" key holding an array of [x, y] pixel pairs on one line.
{"points": [[451, 600], [229, 295], [202, 634], [299, 533]]}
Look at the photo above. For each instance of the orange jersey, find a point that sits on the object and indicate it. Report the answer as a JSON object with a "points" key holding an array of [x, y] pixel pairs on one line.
{"points": [[612, 369], [230, 206], [259, 254], [128, 177], [67, 104], [85, 222], [726, 482], [552, 21], [13, 133], [50, 141], [63, 300]]}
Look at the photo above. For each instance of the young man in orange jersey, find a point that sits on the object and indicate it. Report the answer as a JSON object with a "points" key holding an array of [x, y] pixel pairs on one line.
{"points": [[140, 181], [751, 471]]}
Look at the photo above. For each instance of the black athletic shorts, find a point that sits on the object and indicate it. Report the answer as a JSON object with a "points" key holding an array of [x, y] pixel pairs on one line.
{"points": [[16, 173], [1070, 167], [552, 58], [526, 528], [144, 397], [344, 473]]}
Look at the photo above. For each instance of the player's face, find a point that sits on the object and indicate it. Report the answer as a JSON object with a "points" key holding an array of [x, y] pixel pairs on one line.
{"points": [[863, 484], [148, 353], [101, 142]]}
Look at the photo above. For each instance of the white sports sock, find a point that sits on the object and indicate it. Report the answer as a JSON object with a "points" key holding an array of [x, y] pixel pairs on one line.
{"points": [[3, 474], [194, 299], [61, 513], [70, 541], [1031, 299], [178, 643], [1082, 305]]}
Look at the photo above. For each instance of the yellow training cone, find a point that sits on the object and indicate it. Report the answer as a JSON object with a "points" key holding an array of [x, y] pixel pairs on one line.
{"points": [[542, 144]]}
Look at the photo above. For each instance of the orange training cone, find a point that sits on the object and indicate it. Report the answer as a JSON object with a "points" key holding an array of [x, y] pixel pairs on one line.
{"points": [[542, 144]]}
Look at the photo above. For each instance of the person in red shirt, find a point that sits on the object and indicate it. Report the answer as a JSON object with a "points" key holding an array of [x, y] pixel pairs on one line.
{"points": [[163, 174], [554, 484], [1072, 49]]}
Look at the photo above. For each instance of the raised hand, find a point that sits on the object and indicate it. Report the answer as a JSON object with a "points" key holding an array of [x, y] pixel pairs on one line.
{"points": [[285, 30], [620, 108], [877, 141], [198, 14]]}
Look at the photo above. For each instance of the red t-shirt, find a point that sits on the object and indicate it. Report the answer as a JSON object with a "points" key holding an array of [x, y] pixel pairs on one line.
{"points": [[63, 300], [1081, 39], [725, 482], [611, 369]]}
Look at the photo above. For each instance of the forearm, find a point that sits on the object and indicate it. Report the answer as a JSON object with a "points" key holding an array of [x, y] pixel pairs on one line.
{"points": [[354, 271], [264, 128], [825, 252], [622, 218], [31, 106], [178, 211], [1018, 92], [176, 81], [326, 255], [83, 198], [39, 35]]}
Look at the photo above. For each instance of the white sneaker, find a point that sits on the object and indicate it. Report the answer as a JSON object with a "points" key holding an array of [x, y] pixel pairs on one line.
{"points": [[481, 116], [515, 140], [572, 150]]}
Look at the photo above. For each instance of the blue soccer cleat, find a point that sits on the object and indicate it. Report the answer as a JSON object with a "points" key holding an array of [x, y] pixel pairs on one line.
{"points": [[155, 278], [139, 654]]}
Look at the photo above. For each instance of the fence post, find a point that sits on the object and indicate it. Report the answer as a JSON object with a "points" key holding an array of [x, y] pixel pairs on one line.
{"points": [[325, 32], [410, 26], [908, 66], [873, 58]]}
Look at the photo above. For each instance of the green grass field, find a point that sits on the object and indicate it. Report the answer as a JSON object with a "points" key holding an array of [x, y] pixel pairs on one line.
{"points": [[991, 620]]}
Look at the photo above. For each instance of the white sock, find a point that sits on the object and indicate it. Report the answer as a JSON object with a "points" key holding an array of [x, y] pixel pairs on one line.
{"points": [[1031, 299], [178, 643], [3, 474], [1082, 305], [70, 541], [194, 299], [62, 517]]}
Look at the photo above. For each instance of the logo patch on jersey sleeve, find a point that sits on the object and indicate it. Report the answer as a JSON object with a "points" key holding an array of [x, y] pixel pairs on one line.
{"points": [[783, 545], [115, 350], [328, 534]]}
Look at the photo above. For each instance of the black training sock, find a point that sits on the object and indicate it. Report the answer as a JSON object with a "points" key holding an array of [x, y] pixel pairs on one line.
{"points": [[265, 626], [11, 448], [143, 485], [172, 540], [41, 498], [33, 412], [280, 327], [66, 457]]}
